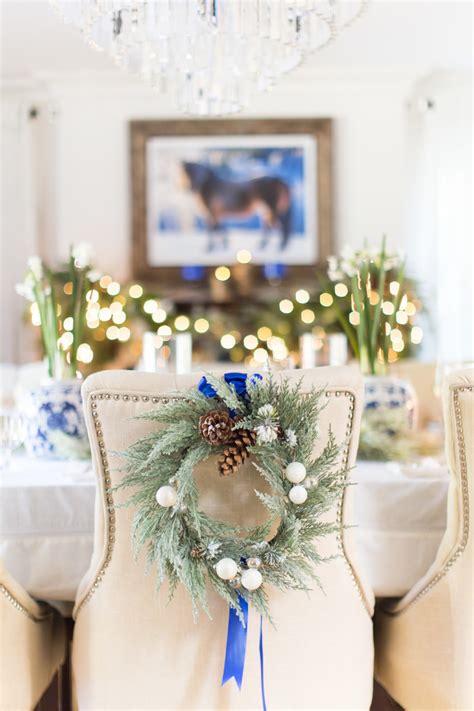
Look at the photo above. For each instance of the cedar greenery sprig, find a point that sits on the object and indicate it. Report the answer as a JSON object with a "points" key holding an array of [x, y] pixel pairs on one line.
{"points": [[182, 543]]}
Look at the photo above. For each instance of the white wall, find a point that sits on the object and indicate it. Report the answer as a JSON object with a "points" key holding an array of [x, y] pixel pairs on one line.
{"points": [[92, 195], [80, 161]]}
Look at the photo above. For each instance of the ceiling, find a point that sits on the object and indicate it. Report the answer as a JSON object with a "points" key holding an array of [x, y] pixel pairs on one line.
{"points": [[419, 36]]}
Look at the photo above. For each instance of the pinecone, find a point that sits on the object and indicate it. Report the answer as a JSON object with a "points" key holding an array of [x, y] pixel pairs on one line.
{"points": [[236, 452], [216, 427], [197, 552]]}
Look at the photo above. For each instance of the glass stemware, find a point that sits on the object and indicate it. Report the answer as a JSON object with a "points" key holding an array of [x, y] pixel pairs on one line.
{"points": [[12, 434]]}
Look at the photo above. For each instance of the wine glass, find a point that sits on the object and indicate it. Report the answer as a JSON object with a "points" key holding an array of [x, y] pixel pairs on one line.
{"points": [[12, 434]]}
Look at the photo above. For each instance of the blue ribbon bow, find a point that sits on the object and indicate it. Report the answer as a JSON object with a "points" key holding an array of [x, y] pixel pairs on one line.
{"points": [[238, 380]]}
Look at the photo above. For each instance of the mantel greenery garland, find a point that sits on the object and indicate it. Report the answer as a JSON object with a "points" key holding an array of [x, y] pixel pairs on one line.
{"points": [[277, 424]]}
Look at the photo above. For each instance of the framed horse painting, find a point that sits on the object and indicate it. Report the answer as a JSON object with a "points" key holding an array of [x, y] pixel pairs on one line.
{"points": [[251, 195]]}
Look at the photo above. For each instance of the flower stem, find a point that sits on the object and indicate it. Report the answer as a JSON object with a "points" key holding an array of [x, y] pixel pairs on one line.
{"points": [[378, 307]]}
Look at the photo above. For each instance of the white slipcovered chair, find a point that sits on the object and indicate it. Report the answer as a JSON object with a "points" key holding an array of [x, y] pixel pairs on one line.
{"points": [[422, 377], [424, 655], [134, 650], [32, 644]]}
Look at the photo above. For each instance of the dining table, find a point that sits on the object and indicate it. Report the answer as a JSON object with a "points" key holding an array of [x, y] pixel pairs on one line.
{"points": [[47, 523]]}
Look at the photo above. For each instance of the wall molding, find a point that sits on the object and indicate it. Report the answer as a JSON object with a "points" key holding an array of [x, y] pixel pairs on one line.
{"points": [[119, 83]]}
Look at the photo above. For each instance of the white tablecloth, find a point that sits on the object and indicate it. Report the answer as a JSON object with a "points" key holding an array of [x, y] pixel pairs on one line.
{"points": [[47, 523], [400, 517]]}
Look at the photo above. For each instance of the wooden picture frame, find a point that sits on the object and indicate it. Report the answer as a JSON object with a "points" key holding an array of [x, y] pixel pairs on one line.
{"points": [[248, 276]]}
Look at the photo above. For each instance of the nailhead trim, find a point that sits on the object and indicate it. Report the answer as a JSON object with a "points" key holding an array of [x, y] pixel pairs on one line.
{"points": [[341, 501], [110, 516], [465, 503], [105, 468], [21, 608]]}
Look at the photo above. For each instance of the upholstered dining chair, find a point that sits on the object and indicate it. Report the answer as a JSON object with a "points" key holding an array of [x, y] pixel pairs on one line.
{"points": [[133, 649], [424, 655], [32, 644], [422, 377]]}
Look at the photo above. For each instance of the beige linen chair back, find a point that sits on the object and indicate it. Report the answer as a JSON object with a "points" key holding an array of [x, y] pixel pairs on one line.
{"points": [[424, 655], [32, 646], [422, 376], [134, 650]]}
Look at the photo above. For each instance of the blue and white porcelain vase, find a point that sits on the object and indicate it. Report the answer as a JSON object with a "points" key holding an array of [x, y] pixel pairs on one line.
{"points": [[55, 421], [383, 391]]}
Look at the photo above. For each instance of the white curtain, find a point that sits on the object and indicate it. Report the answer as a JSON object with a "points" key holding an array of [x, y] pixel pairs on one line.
{"points": [[440, 240], [27, 207], [18, 219]]}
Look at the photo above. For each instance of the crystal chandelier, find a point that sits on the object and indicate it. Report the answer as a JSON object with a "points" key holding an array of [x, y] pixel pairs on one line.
{"points": [[214, 55]]}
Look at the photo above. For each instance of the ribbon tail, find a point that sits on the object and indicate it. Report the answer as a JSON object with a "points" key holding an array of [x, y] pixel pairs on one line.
{"points": [[262, 669], [236, 643]]}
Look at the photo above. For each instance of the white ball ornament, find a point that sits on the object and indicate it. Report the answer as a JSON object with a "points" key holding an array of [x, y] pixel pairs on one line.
{"points": [[251, 579], [166, 496], [226, 568], [298, 494], [295, 472]]}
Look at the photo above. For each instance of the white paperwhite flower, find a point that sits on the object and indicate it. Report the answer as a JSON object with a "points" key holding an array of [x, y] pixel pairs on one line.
{"points": [[35, 266], [291, 439], [266, 410], [26, 289], [266, 433], [93, 275], [348, 268], [335, 274], [347, 252], [392, 261], [82, 254]]}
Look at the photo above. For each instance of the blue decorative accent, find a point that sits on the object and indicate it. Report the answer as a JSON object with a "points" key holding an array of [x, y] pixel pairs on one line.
{"points": [[193, 273], [54, 414], [391, 393], [262, 666], [236, 643], [238, 380], [274, 271], [234, 661]]}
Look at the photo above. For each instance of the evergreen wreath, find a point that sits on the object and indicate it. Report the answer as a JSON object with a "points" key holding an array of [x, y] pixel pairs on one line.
{"points": [[233, 417]]}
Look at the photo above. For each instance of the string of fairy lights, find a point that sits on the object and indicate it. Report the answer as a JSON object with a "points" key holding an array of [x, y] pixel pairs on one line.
{"points": [[117, 315]]}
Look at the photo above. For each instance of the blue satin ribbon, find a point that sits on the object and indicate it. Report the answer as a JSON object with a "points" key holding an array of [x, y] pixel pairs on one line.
{"points": [[236, 644], [262, 669], [238, 380]]}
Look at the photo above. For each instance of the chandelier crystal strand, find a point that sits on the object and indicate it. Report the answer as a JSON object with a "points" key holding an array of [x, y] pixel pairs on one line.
{"points": [[214, 55]]}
